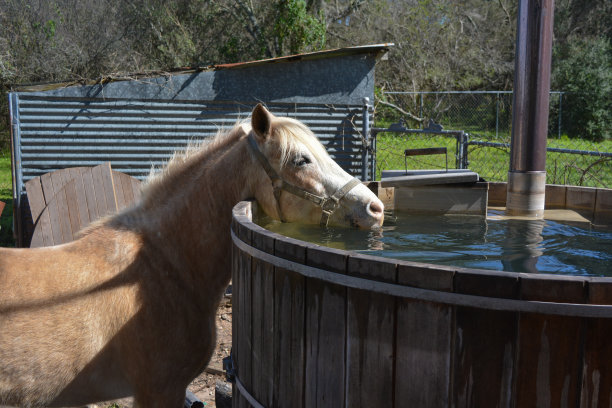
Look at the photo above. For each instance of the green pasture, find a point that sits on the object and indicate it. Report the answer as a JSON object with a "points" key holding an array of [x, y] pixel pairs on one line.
{"points": [[6, 195], [492, 163]]}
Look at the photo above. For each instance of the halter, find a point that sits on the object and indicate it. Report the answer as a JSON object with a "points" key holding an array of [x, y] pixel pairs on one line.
{"points": [[328, 204]]}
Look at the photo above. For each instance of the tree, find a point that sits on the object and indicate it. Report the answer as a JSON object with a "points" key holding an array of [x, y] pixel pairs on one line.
{"points": [[582, 67]]}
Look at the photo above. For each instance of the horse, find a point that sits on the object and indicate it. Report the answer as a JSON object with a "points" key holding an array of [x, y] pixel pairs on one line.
{"points": [[128, 308]]}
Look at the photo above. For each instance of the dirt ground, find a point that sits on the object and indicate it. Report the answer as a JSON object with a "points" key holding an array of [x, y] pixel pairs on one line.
{"points": [[204, 385]]}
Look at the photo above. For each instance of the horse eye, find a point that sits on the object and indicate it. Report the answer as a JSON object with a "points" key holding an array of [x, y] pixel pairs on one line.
{"points": [[301, 161]]}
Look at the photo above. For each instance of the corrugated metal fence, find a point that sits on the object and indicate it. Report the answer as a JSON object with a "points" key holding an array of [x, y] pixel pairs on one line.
{"points": [[134, 135]]}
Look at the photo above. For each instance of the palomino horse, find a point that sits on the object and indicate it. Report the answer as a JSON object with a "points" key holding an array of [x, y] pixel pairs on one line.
{"points": [[129, 307]]}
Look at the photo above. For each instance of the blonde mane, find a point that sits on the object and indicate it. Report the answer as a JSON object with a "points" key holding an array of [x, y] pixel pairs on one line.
{"points": [[289, 132], [195, 152]]}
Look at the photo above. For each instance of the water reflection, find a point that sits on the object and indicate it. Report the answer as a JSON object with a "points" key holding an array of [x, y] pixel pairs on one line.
{"points": [[472, 242], [522, 246]]}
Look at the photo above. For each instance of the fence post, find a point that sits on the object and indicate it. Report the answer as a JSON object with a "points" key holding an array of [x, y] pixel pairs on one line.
{"points": [[462, 150], [559, 113], [497, 115], [365, 139], [421, 111]]}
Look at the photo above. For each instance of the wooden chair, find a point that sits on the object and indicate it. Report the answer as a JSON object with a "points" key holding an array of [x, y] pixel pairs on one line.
{"points": [[65, 201]]}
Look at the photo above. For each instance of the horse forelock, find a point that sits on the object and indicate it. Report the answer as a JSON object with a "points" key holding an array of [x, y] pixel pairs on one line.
{"points": [[291, 134]]}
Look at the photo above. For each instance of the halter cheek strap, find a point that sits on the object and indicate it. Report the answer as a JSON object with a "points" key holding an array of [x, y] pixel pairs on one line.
{"points": [[328, 204]]}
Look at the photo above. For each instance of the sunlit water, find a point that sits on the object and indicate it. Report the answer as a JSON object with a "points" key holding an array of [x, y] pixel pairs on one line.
{"points": [[536, 246]]}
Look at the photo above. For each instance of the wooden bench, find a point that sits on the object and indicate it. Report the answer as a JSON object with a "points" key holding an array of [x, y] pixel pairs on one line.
{"points": [[425, 152], [66, 201]]}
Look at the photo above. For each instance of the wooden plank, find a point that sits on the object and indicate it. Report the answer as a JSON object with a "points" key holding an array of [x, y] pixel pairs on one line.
{"points": [[603, 207], [90, 195], [59, 179], [581, 199], [122, 200], [43, 234], [245, 351], [555, 196], [289, 311], [262, 324], [54, 234], [102, 205], [123, 189], [263, 320], [55, 194], [370, 336], [597, 376], [550, 347], [136, 189], [80, 196], [109, 188], [485, 344], [64, 214], [423, 340], [325, 331], [289, 315], [430, 179], [36, 198], [73, 208], [237, 310], [425, 151]]}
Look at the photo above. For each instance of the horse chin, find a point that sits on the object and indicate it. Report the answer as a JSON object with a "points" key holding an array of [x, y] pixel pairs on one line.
{"points": [[361, 223]]}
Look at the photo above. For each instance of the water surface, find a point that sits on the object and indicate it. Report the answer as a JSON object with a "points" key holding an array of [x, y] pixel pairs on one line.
{"points": [[538, 246]]}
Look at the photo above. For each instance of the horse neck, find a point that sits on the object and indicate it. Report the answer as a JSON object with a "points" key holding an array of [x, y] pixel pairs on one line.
{"points": [[187, 220]]}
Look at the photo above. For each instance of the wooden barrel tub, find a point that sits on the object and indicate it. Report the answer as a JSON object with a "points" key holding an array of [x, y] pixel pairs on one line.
{"points": [[319, 327]]}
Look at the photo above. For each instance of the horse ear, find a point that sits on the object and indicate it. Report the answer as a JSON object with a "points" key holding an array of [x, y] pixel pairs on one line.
{"points": [[261, 121]]}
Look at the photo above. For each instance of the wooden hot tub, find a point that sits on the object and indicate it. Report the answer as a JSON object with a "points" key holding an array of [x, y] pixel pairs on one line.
{"points": [[319, 327]]}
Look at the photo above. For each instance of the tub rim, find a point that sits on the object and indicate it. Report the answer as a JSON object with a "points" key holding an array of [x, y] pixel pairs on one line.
{"points": [[479, 288]]}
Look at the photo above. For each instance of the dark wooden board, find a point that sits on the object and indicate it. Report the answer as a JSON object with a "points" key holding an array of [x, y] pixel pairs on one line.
{"points": [[485, 344], [289, 309], [543, 340], [325, 331], [262, 369], [424, 340], [371, 323]]}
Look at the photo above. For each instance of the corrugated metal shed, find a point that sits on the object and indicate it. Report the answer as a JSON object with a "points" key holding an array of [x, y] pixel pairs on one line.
{"points": [[137, 122]]}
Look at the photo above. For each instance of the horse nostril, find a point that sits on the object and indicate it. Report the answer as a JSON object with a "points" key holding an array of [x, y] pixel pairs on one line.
{"points": [[376, 208]]}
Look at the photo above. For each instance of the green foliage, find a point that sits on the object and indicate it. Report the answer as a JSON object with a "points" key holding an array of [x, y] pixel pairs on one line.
{"points": [[583, 68], [295, 29]]}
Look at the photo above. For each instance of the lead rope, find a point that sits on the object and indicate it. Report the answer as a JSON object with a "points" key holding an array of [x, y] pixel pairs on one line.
{"points": [[328, 204]]}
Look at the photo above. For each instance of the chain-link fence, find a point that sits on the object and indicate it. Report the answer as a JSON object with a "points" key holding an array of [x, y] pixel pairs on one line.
{"points": [[487, 118]]}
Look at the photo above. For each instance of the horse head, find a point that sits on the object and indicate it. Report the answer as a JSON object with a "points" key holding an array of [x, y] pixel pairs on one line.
{"points": [[300, 182]]}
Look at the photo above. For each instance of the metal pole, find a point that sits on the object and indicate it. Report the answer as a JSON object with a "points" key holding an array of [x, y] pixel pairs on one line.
{"points": [[365, 139], [421, 111], [497, 115], [527, 175], [16, 168], [559, 113]]}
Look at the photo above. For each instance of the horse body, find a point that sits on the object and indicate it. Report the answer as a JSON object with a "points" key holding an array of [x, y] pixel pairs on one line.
{"points": [[129, 308]]}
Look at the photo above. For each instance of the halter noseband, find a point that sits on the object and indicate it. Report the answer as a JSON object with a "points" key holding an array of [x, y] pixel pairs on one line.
{"points": [[328, 204]]}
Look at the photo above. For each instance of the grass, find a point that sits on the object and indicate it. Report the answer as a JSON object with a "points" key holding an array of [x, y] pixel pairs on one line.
{"points": [[492, 163], [6, 195]]}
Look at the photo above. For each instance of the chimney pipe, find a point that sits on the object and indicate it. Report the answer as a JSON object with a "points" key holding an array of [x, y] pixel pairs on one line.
{"points": [[527, 175]]}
